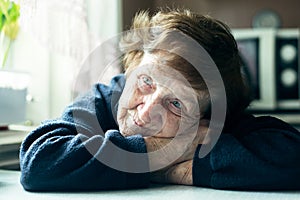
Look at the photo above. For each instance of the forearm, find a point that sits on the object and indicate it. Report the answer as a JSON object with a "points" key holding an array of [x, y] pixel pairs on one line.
{"points": [[171, 159], [178, 174], [174, 162], [262, 160], [60, 160]]}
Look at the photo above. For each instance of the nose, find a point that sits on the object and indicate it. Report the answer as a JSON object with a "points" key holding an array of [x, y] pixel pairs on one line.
{"points": [[151, 111]]}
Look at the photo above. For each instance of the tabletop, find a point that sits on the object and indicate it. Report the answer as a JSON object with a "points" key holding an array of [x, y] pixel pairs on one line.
{"points": [[11, 189]]}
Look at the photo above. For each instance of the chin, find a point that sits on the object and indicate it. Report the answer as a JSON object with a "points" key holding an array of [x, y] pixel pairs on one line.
{"points": [[132, 130], [127, 132], [129, 128], [126, 128]]}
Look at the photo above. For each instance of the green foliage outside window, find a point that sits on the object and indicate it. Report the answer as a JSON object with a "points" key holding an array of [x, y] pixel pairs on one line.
{"points": [[9, 26]]}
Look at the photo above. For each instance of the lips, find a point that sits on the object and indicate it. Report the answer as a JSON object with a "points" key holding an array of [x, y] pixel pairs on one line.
{"points": [[132, 115], [134, 125], [138, 121]]}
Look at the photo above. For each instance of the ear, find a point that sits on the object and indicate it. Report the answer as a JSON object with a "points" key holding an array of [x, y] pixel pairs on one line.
{"points": [[203, 131]]}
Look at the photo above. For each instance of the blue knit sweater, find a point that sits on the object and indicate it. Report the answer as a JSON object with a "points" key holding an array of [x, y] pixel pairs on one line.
{"points": [[65, 154]]}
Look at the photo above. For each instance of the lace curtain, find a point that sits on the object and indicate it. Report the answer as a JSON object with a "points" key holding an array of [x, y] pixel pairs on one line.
{"points": [[75, 28], [60, 25], [69, 30]]}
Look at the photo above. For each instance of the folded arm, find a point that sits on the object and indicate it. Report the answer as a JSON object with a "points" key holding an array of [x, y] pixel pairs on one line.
{"points": [[259, 154], [69, 153]]}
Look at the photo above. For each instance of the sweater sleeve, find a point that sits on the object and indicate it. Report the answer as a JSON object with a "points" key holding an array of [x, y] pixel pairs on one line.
{"points": [[83, 149], [261, 153]]}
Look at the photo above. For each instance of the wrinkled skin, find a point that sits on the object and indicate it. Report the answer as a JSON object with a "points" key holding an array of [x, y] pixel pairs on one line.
{"points": [[159, 104]]}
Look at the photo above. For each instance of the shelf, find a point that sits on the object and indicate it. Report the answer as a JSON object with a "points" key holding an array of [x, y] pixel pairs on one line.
{"points": [[10, 141]]}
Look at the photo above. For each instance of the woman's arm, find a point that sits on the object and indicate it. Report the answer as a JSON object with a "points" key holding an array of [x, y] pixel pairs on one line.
{"points": [[259, 154], [182, 149], [180, 173], [67, 153]]}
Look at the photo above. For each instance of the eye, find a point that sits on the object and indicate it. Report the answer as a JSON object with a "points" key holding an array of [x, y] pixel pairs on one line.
{"points": [[147, 80], [145, 83], [175, 106]]}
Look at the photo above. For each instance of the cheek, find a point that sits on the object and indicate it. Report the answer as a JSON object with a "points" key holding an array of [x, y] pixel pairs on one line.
{"points": [[176, 125], [172, 124], [130, 97], [121, 114], [127, 102], [135, 100]]}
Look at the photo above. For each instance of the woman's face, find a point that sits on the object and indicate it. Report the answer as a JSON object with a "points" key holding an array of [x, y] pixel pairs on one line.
{"points": [[157, 101]]}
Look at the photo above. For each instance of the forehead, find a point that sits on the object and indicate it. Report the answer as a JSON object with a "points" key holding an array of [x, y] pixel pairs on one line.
{"points": [[157, 66], [164, 75]]}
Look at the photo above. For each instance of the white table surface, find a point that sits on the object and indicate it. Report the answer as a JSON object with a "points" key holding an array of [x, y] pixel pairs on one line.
{"points": [[11, 189]]}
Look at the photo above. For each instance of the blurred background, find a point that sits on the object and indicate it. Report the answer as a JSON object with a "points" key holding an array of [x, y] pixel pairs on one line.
{"points": [[55, 37], [236, 13], [52, 50]]}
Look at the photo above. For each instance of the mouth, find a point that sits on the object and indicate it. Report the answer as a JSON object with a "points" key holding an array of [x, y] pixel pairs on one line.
{"points": [[138, 121], [135, 118], [130, 122], [134, 125]]}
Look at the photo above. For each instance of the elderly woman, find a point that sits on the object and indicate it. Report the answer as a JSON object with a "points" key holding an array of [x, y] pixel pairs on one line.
{"points": [[175, 116]]}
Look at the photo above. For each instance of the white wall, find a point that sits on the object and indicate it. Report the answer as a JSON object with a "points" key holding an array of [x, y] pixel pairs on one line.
{"points": [[105, 17], [29, 56], [51, 71]]}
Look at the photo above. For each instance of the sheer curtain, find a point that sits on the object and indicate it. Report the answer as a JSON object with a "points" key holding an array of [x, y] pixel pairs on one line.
{"points": [[60, 25], [69, 30]]}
